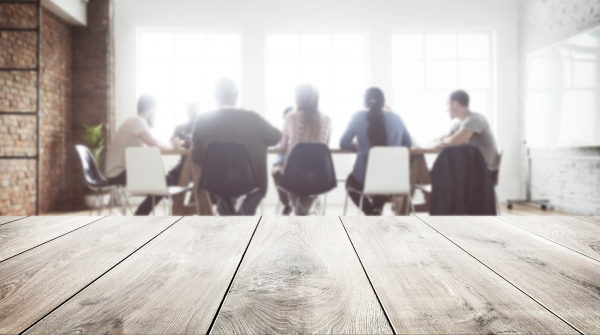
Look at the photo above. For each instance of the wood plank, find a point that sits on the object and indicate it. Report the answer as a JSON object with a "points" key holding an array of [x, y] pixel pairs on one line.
{"points": [[35, 282], [27, 233], [300, 275], [428, 285], [173, 285], [7, 219], [592, 219], [572, 233], [564, 281]]}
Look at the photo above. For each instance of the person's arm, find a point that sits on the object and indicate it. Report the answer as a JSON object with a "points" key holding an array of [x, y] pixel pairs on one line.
{"points": [[269, 134], [328, 135], [150, 141], [406, 140], [285, 136], [346, 142], [461, 137]]}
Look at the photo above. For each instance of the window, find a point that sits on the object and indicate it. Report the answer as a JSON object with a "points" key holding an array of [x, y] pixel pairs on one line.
{"points": [[335, 63], [181, 67], [428, 66]]}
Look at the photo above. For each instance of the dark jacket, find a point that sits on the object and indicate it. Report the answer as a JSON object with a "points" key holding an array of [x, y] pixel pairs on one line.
{"points": [[461, 183], [243, 127]]}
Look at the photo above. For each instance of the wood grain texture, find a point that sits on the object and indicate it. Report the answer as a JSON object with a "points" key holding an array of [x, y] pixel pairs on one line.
{"points": [[575, 234], [173, 285], [34, 283], [564, 281], [301, 275], [24, 234], [592, 219], [428, 285], [7, 219]]}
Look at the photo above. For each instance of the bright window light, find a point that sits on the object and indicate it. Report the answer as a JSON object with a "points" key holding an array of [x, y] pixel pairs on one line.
{"points": [[335, 63], [428, 66], [181, 67]]}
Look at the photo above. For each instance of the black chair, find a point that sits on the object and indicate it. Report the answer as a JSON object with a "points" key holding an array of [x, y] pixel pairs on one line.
{"points": [[227, 171], [309, 171], [93, 178]]}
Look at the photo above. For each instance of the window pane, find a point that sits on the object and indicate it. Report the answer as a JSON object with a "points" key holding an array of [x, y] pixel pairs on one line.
{"points": [[441, 74], [473, 46], [283, 46], [474, 74], [224, 46], [349, 46], [479, 102], [408, 46], [156, 78], [190, 46], [315, 46], [156, 45], [409, 74], [440, 46]]}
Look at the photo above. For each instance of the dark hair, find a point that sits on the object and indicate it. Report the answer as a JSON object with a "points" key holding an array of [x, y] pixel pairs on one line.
{"points": [[461, 97], [375, 100], [145, 102], [287, 111]]}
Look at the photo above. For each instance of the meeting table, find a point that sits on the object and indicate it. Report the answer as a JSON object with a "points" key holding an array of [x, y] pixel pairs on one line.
{"points": [[299, 275]]}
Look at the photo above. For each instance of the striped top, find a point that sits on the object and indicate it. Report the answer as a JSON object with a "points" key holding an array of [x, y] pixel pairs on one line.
{"points": [[294, 127]]}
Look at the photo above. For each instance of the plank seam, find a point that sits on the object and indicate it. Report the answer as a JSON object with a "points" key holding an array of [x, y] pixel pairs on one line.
{"points": [[547, 239], [508, 281], [584, 220], [233, 278], [100, 276], [17, 219], [24, 251], [368, 278]]}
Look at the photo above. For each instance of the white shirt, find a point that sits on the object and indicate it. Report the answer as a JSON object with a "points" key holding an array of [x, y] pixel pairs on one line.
{"points": [[125, 137]]}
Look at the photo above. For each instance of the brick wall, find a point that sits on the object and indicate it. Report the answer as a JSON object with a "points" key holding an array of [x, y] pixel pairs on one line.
{"points": [[572, 184]]}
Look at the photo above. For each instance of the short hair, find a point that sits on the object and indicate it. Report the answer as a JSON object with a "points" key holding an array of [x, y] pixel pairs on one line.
{"points": [[461, 97], [145, 102], [225, 90]]}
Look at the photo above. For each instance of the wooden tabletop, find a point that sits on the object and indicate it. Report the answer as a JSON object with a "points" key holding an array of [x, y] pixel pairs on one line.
{"points": [[293, 275]]}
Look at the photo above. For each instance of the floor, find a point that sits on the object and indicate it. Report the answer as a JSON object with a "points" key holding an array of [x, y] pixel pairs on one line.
{"points": [[300, 275]]}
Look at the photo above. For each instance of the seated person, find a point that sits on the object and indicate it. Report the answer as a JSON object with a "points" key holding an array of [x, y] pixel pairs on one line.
{"points": [[230, 124], [306, 124], [277, 173], [378, 126], [135, 132], [183, 133], [471, 128]]}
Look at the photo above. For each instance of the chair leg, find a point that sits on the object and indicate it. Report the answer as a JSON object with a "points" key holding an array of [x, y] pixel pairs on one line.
{"points": [[410, 209], [153, 206], [346, 203], [498, 211], [324, 204], [196, 201], [360, 205]]}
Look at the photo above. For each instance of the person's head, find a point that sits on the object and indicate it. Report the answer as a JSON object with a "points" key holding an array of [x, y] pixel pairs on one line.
{"points": [[192, 112], [146, 108], [307, 99], [375, 101], [458, 104], [287, 111], [226, 92]]}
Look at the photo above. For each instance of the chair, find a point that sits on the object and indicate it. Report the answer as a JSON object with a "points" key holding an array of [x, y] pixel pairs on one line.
{"points": [[309, 172], [146, 175], [93, 178], [495, 178], [227, 171], [388, 173]]}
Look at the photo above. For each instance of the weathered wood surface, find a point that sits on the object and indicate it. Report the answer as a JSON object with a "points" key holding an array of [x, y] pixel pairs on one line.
{"points": [[24, 234], [301, 275], [35, 282], [7, 219], [565, 282], [593, 219], [173, 285], [428, 285], [575, 234]]}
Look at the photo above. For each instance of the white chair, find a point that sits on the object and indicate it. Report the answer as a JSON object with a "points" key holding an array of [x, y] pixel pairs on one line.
{"points": [[146, 176], [388, 174]]}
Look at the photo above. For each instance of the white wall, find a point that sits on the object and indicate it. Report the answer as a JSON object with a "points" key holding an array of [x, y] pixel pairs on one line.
{"points": [[378, 18]]}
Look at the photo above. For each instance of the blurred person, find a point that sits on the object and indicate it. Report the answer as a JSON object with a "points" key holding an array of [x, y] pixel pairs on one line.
{"points": [[277, 173], [135, 132], [234, 125], [377, 126], [470, 128], [305, 125]]}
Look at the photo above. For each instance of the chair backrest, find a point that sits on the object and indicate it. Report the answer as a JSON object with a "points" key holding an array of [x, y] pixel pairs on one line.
{"points": [[496, 174], [145, 171], [388, 171], [227, 171], [309, 170], [91, 172]]}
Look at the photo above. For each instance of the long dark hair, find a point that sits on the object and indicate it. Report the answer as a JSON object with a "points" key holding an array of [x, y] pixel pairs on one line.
{"points": [[374, 101], [307, 101]]}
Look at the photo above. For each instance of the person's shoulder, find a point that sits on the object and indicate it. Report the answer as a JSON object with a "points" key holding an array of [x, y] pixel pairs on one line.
{"points": [[360, 115], [478, 117]]}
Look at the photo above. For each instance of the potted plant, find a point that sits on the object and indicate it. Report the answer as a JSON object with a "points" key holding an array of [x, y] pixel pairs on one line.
{"points": [[93, 139]]}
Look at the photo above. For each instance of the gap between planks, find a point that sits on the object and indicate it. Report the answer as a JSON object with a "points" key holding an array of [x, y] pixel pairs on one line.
{"points": [[508, 281]]}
